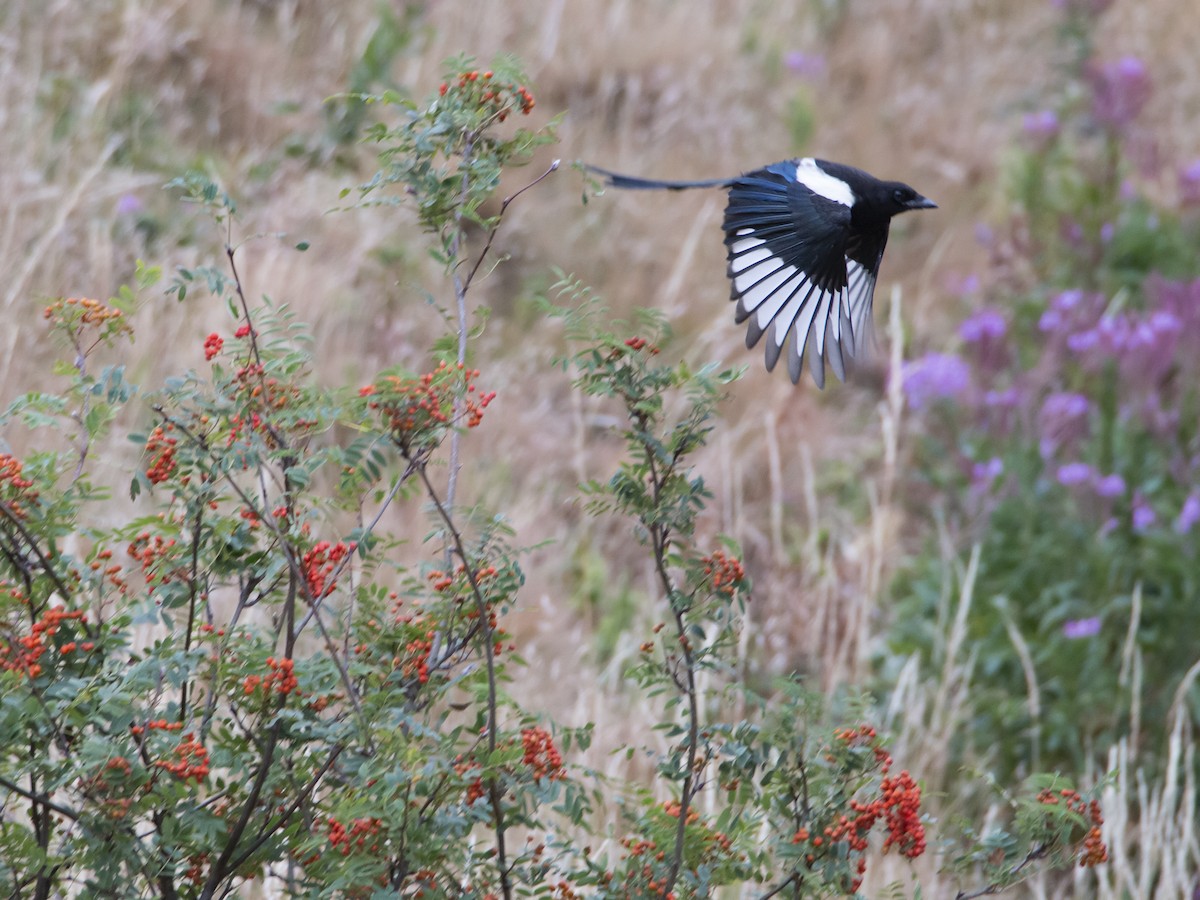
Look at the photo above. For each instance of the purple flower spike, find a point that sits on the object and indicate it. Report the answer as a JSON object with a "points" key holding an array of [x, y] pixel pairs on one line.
{"points": [[933, 377], [1189, 515], [1074, 629], [1119, 91]]}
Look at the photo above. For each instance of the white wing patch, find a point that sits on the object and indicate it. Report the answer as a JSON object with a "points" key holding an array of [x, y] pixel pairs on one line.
{"points": [[817, 180], [781, 301]]}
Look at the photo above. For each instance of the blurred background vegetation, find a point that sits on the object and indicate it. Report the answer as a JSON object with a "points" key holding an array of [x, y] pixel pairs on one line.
{"points": [[991, 527]]}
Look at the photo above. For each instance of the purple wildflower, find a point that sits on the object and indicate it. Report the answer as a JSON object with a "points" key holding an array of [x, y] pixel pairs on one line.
{"points": [[128, 205], [1109, 486], [985, 324], [1041, 127], [1189, 515], [934, 376], [1143, 514], [1008, 397], [806, 65], [1074, 473], [1074, 629], [1119, 91], [1062, 420], [984, 473], [1189, 184], [1083, 341]]}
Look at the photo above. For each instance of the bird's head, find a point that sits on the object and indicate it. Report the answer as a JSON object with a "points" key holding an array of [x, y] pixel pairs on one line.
{"points": [[896, 197]]}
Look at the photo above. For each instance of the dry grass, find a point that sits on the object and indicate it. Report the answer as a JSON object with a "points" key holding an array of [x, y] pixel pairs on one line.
{"points": [[114, 97]]}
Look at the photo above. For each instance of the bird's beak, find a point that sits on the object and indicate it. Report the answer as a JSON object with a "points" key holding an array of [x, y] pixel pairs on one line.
{"points": [[921, 203]]}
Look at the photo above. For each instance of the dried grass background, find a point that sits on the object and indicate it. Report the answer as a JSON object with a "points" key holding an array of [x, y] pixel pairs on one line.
{"points": [[110, 99]]}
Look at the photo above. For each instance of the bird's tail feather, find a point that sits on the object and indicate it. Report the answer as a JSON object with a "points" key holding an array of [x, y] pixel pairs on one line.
{"points": [[628, 182]]}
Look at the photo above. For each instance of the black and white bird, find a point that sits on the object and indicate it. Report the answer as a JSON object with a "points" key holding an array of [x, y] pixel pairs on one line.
{"points": [[805, 238]]}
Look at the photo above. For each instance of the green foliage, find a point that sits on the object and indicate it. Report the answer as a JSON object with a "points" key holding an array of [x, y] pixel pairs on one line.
{"points": [[245, 677]]}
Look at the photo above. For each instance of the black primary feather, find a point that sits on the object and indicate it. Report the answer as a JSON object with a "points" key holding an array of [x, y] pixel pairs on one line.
{"points": [[804, 240]]}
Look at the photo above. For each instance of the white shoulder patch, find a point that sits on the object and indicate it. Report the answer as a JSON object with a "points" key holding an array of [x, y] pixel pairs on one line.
{"points": [[817, 180]]}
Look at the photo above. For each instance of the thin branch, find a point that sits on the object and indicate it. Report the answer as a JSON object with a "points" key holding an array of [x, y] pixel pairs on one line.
{"points": [[47, 568], [1038, 852], [500, 215], [39, 798], [494, 792], [793, 879]]}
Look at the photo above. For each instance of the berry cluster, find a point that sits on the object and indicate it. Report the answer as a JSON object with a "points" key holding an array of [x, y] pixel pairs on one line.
{"points": [[25, 653], [541, 755], [475, 789], [160, 447], [637, 344], [487, 92], [415, 411], [897, 803], [108, 570], [155, 725], [15, 490], [212, 345], [1093, 852], [190, 760], [723, 572], [362, 835], [150, 550], [73, 313], [319, 564], [280, 680]]}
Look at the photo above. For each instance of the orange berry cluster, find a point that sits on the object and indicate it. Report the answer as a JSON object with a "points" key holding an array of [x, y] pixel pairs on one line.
{"points": [[111, 572], [1093, 851], [212, 345], [897, 804], [160, 447], [475, 789], [637, 344], [24, 655], [149, 550], [15, 490], [363, 834], [190, 760], [415, 663], [541, 755], [194, 873], [485, 90], [901, 805], [155, 725], [415, 409], [280, 680], [84, 311], [319, 563], [724, 572]]}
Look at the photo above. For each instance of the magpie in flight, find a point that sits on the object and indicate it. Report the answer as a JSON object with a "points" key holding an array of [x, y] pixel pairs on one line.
{"points": [[805, 238]]}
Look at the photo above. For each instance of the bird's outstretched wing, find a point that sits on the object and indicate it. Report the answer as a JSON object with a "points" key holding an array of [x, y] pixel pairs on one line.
{"points": [[799, 272]]}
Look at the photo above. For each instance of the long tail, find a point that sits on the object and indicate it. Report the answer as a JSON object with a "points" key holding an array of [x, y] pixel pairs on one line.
{"points": [[612, 179]]}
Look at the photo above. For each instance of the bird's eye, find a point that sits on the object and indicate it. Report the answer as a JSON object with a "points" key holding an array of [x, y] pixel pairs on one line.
{"points": [[899, 195]]}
